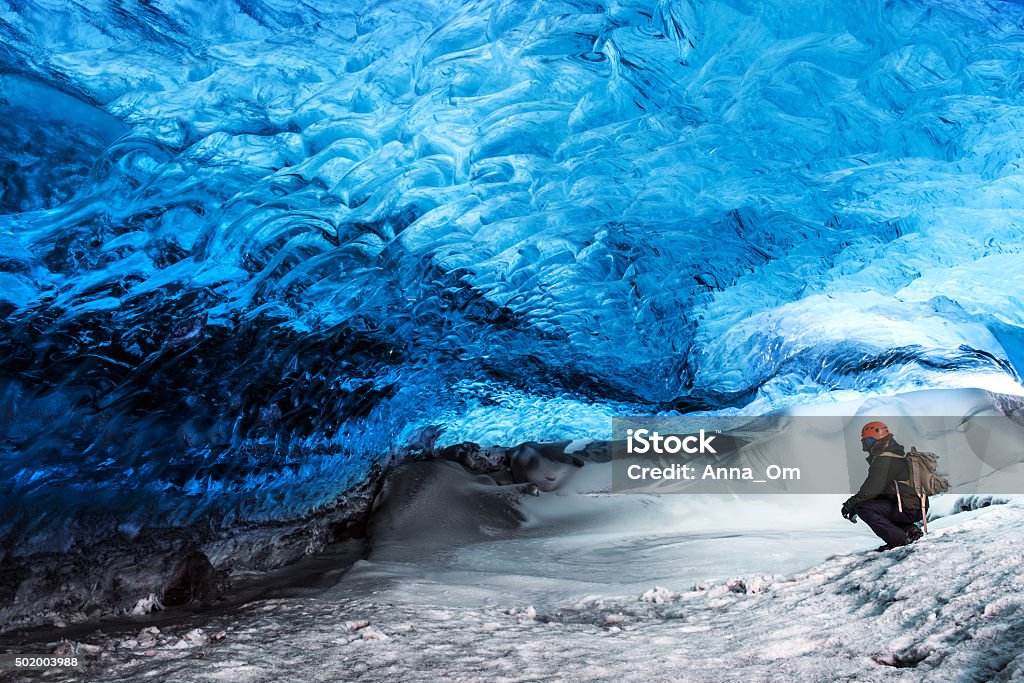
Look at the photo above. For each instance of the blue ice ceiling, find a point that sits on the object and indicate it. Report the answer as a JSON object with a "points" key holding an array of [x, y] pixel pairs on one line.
{"points": [[246, 247]]}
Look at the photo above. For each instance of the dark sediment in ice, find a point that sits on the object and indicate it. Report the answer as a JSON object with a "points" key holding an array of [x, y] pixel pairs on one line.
{"points": [[195, 566]]}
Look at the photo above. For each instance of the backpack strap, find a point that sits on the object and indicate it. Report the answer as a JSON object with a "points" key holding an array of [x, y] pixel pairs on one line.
{"points": [[915, 476], [924, 514]]}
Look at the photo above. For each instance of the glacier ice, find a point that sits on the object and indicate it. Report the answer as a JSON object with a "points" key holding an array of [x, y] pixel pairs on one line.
{"points": [[247, 247]]}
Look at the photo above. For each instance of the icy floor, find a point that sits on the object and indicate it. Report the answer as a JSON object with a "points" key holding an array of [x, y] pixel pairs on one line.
{"points": [[596, 587], [468, 580]]}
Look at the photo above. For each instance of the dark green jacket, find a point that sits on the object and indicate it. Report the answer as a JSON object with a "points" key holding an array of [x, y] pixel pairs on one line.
{"points": [[884, 470]]}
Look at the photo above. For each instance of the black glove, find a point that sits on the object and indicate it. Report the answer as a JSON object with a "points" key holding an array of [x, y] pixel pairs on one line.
{"points": [[848, 511]]}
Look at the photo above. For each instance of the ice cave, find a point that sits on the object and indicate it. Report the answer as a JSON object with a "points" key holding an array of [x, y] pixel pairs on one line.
{"points": [[317, 316]]}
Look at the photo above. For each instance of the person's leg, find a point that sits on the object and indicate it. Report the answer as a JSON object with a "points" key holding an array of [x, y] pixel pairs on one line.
{"points": [[914, 534], [907, 517], [907, 520], [878, 514], [906, 525]]}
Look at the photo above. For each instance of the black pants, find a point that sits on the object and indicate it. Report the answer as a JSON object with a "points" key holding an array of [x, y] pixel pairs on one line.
{"points": [[886, 520]]}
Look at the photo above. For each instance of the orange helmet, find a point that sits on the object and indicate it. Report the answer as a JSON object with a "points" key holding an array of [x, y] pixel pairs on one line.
{"points": [[874, 430]]}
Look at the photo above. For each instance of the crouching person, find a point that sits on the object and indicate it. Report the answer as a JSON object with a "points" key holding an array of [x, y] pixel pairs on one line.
{"points": [[889, 510]]}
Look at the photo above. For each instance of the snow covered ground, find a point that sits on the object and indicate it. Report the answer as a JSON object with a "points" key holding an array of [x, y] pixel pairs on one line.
{"points": [[466, 579], [578, 587]]}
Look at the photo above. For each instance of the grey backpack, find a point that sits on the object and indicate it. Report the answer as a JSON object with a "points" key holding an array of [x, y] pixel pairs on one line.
{"points": [[925, 479], [924, 475]]}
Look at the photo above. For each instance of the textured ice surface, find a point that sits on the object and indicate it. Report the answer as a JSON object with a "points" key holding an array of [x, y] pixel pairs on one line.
{"points": [[246, 247]]}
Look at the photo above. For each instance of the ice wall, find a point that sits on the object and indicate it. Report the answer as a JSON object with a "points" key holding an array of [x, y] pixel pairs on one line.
{"points": [[247, 247]]}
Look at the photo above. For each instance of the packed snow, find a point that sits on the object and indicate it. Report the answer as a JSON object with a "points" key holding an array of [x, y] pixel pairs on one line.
{"points": [[597, 587], [950, 607], [467, 577]]}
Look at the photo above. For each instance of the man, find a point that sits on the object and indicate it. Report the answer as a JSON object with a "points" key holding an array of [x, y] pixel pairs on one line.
{"points": [[889, 508]]}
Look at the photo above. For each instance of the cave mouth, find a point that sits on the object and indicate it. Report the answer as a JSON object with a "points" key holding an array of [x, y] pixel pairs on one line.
{"points": [[246, 255]]}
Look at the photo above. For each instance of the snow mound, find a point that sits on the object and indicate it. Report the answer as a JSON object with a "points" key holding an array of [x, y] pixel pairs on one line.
{"points": [[950, 607], [658, 595]]}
